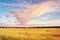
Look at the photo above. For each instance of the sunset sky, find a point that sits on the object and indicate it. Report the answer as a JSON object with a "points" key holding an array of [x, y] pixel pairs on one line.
{"points": [[47, 11]]}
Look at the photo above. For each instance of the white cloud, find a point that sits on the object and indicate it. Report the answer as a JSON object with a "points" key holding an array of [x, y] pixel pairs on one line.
{"points": [[44, 22], [10, 20]]}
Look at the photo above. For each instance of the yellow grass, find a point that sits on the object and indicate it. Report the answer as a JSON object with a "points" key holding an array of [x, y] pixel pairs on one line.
{"points": [[29, 33]]}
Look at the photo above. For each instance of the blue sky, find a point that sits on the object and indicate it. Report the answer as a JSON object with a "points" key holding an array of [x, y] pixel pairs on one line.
{"points": [[5, 8], [19, 1]]}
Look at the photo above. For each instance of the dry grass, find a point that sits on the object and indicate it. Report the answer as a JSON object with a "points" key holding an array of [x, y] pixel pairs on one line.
{"points": [[29, 33]]}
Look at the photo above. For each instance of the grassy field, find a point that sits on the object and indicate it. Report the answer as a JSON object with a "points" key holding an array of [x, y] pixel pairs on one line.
{"points": [[29, 33]]}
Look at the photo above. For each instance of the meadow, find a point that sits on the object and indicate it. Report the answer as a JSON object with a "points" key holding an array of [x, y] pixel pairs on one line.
{"points": [[29, 33]]}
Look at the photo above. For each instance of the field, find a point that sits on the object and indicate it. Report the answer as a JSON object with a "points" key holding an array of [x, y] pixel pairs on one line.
{"points": [[29, 33]]}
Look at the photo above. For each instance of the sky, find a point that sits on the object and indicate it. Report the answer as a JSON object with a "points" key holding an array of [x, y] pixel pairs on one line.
{"points": [[50, 12]]}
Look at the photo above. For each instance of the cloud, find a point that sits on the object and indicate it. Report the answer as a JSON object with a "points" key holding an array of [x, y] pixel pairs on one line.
{"points": [[34, 11], [48, 18], [9, 20], [42, 8]]}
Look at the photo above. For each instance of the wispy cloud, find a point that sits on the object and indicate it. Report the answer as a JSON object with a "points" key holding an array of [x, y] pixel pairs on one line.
{"points": [[34, 10], [8, 20]]}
